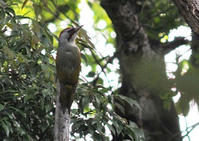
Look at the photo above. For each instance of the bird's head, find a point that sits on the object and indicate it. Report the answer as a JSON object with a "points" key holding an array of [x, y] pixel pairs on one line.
{"points": [[69, 34]]}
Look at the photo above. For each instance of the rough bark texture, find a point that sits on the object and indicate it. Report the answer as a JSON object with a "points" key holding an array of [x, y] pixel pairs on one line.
{"points": [[189, 9], [62, 120], [195, 50], [139, 66]]}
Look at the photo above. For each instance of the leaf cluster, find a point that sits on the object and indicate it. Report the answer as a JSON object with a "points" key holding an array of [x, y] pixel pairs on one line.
{"points": [[159, 17], [95, 115], [26, 78]]}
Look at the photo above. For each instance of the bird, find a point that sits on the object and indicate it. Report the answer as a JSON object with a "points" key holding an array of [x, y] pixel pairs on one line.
{"points": [[68, 65]]}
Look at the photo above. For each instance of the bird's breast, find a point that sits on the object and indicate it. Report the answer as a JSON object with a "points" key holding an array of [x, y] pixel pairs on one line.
{"points": [[68, 64]]}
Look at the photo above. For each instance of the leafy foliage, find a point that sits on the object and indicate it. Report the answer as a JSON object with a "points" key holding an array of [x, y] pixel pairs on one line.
{"points": [[27, 79], [156, 14], [95, 115]]}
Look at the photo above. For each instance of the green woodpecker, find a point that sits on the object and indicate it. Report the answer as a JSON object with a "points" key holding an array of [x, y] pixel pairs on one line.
{"points": [[68, 65]]}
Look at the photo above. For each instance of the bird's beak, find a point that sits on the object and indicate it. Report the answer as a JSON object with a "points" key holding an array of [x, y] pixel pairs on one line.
{"points": [[74, 31], [78, 28]]}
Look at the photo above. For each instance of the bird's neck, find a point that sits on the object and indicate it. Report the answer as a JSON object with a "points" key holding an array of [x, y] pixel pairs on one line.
{"points": [[67, 43]]}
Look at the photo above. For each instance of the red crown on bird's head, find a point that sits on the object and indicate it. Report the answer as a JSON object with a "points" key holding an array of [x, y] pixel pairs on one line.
{"points": [[67, 29], [71, 30]]}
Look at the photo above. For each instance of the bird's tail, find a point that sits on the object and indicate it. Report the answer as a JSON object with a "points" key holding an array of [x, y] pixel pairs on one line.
{"points": [[66, 96]]}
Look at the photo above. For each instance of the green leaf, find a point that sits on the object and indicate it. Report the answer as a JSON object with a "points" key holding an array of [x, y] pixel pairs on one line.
{"points": [[139, 134], [6, 128], [120, 107], [84, 58], [85, 101], [10, 10], [111, 129], [182, 106], [97, 136], [131, 133], [118, 126], [129, 100], [133, 124], [134, 132], [91, 74], [1, 107], [84, 35]]}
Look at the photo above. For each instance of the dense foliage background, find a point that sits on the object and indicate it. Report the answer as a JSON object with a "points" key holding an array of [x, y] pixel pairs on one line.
{"points": [[27, 71]]}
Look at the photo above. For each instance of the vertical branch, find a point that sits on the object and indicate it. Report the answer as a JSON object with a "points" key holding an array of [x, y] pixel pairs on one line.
{"points": [[139, 66], [189, 9], [62, 120]]}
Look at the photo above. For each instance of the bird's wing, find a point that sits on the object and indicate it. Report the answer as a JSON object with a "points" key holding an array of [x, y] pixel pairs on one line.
{"points": [[68, 66]]}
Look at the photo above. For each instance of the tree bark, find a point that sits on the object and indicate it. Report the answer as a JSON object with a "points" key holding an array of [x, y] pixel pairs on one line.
{"points": [[143, 74], [62, 120], [189, 9], [195, 50]]}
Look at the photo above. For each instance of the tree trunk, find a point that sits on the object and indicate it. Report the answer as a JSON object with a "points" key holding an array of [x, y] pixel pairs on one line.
{"points": [[143, 75], [62, 120], [195, 50], [189, 9]]}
